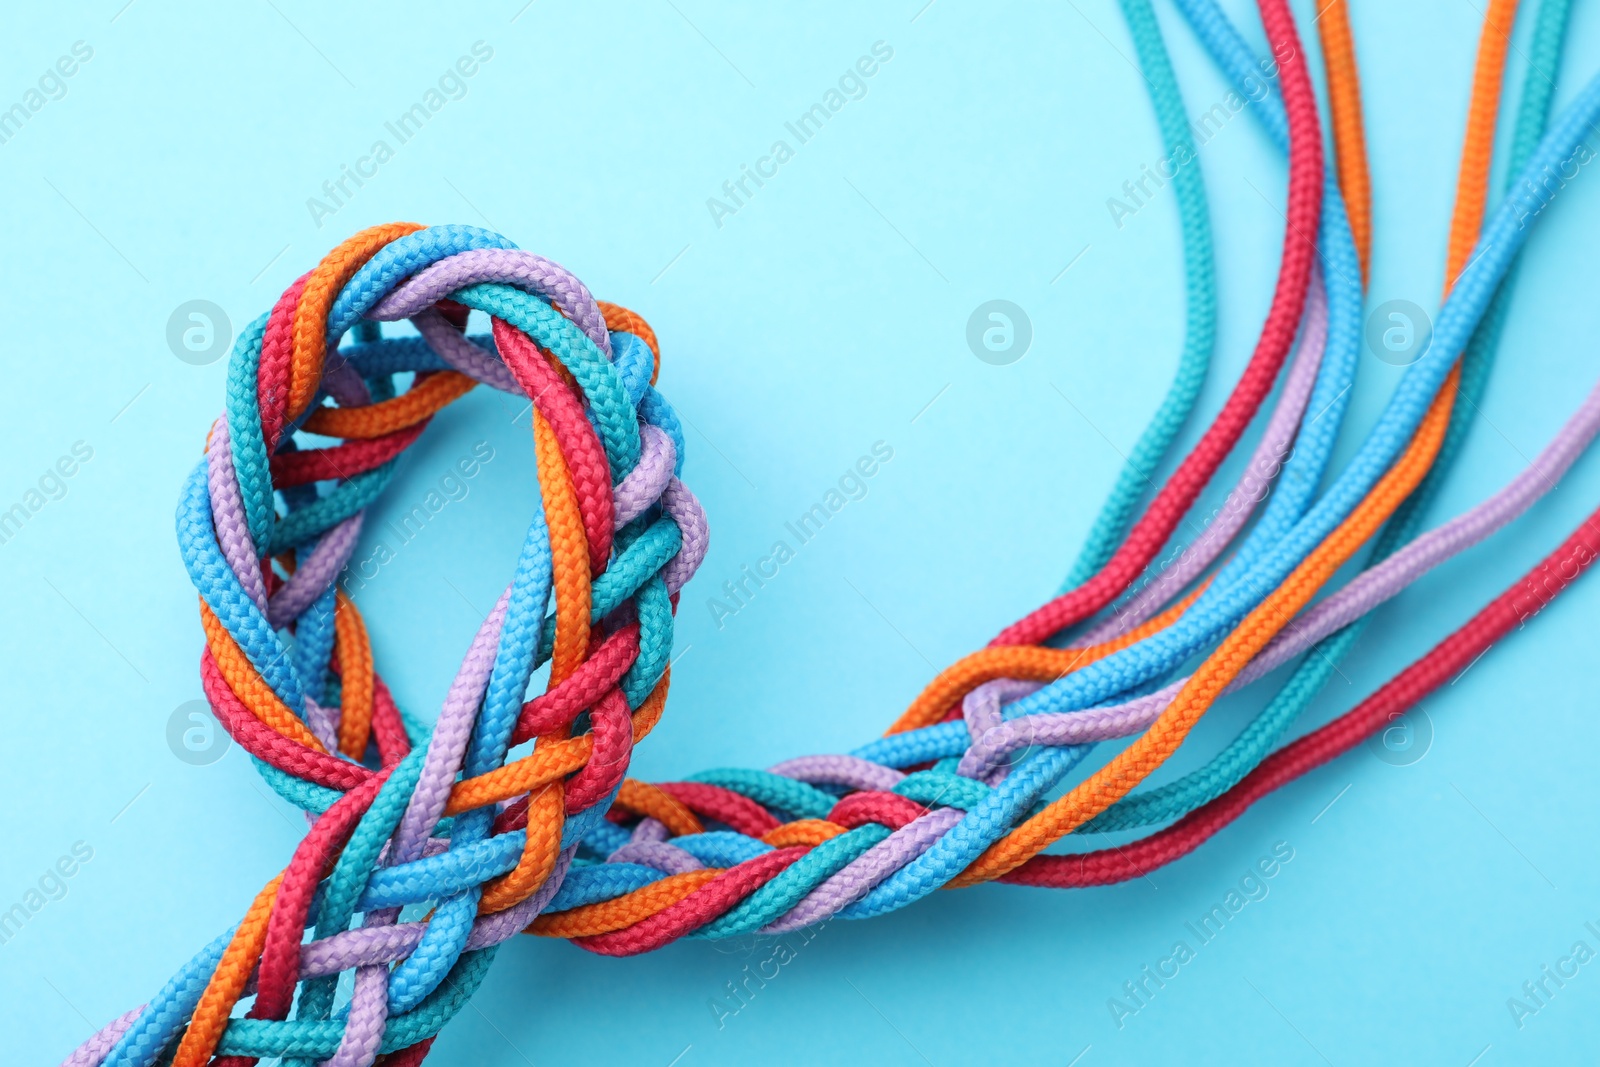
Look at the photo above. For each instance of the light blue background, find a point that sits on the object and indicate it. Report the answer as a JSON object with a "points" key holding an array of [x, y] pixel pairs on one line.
{"points": [[824, 316]]}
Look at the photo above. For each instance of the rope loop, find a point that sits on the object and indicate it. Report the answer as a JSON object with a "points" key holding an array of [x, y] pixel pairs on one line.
{"points": [[466, 816]]}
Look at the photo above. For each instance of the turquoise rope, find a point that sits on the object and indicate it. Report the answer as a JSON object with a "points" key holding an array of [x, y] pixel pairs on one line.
{"points": [[1200, 295]]}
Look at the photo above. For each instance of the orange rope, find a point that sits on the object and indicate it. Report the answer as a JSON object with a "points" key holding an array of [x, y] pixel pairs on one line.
{"points": [[356, 677], [538, 775], [322, 287], [251, 689], [620, 320], [1349, 144], [653, 802], [1029, 663], [807, 832], [604, 916], [228, 982], [415, 405]]}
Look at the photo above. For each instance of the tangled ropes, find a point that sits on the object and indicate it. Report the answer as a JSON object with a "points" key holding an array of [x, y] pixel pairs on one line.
{"points": [[402, 814], [429, 846]]}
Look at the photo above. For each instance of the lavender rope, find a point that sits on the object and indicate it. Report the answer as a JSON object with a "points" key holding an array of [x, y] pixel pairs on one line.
{"points": [[506, 266], [1265, 463], [857, 879]]}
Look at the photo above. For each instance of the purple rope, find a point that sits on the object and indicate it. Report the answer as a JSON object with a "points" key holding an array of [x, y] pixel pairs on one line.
{"points": [[315, 574], [852, 772], [855, 880], [643, 485], [369, 1010], [372, 945], [661, 855], [340, 381], [94, 1050], [233, 531], [509, 266], [323, 723], [451, 733], [463, 353], [649, 830], [1236, 509], [686, 511], [994, 739]]}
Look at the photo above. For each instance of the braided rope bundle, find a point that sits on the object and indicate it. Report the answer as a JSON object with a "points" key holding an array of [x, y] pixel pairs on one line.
{"points": [[558, 841], [617, 536]]}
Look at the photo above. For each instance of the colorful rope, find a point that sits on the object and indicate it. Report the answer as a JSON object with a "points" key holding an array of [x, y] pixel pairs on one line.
{"points": [[495, 837], [1267, 728]]}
